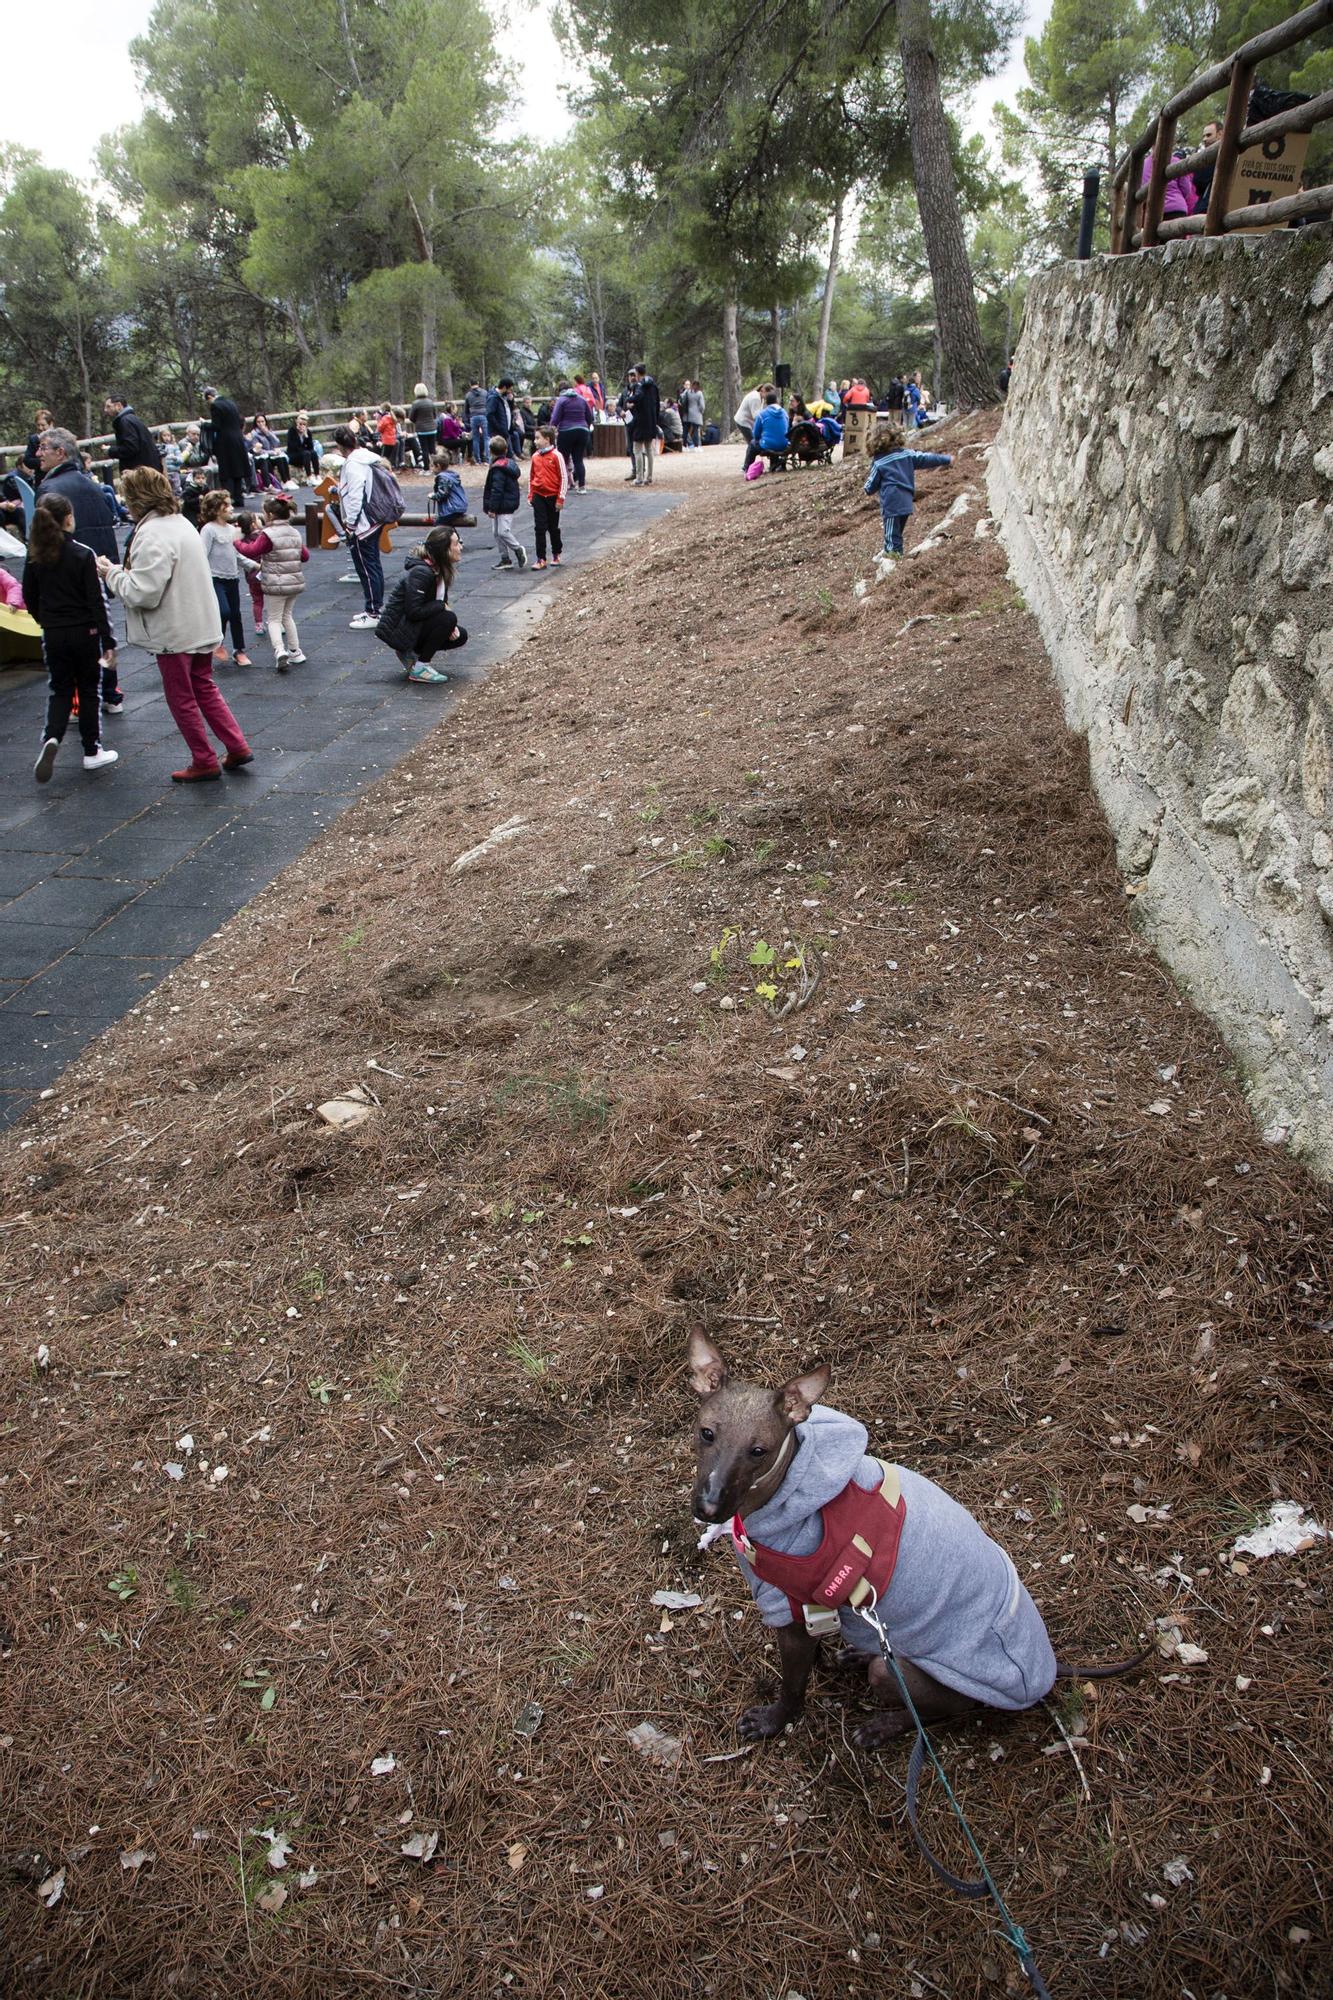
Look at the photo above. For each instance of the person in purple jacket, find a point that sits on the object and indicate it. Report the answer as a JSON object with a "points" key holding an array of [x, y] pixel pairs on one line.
{"points": [[893, 477], [571, 419]]}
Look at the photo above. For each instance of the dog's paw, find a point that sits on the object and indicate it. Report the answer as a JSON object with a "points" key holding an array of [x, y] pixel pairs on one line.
{"points": [[885, 1727], [764, 1720]]}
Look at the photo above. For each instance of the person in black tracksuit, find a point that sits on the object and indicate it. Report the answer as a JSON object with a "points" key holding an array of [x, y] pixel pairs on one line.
{"points": [[62, 591]]}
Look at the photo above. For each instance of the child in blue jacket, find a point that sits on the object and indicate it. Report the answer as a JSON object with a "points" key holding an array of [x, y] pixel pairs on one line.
{"points": [[893, 477]]}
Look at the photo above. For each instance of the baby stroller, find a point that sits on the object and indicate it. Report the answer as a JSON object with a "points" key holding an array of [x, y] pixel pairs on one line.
{"points": [[809, 446]]}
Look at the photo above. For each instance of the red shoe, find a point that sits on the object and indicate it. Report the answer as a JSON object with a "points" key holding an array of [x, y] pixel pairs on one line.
{"points": [[196, 774], [234, 759]]}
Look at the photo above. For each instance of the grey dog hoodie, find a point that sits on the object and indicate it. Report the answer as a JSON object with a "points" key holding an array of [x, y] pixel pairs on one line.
{"points": [[954, 1606]]}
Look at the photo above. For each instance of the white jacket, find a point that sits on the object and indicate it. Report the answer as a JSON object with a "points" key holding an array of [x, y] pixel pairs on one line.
{"points": [[750, 407], [352, 483], [167, 589]]}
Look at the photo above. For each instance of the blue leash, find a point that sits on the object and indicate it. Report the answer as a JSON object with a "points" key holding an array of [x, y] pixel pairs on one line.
{"points": [[985, 1886]]}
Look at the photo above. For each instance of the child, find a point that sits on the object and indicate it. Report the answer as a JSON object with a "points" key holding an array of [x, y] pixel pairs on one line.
{"points": [[281, 552], [893, 477], [448, 499], [248, 523], [548, 483], [63, 593], [194, 495], [499, 500], [450, 433], [417, 621], [386, 428], [220, 537]]}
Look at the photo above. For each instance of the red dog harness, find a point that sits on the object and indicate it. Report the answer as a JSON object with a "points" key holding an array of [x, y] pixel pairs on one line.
{"points": [[862, 1531]]}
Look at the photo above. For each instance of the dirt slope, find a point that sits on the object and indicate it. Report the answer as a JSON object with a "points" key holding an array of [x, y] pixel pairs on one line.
{"points": [[995, 1167]]}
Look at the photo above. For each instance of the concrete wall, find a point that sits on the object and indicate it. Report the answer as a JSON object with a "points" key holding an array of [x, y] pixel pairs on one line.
{"points": [[1164, 484]]}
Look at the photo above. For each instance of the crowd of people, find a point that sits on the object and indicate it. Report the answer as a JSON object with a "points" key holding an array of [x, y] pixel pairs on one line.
{"points": [[193, 541]]}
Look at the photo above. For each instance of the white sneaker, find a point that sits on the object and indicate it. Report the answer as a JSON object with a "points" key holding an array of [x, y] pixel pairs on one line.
{"points": [[100, 759], [46, 761], [280, 664], [296, 659], [365, 621]]}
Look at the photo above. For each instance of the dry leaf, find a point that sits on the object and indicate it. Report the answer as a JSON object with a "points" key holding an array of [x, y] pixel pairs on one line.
{"points": [[655, 1745], [52, 1889], [134, 1858], [271, 1899], [516, 1854], [420, 1847]]}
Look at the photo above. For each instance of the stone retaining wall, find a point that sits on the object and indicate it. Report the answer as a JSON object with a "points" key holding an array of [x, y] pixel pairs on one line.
{"points": [[1164, 484]]}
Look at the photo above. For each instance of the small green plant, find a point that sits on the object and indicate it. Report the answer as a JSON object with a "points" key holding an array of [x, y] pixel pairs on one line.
{"points": [[752, 778], [194, 1538], [533, 1364], [766, 991], [321, 1391], [353, 939], [533, 1214], [705, 816], [819, 882], [650, 814], [565, 1098], [110, 1638], [312, 1284], [387, 1380], [1054, 1501], [260, 1681], [181, 1590], [718, 848], [125, 1584], [689, 861], [763, 953], [824, 601], [763, 848]]}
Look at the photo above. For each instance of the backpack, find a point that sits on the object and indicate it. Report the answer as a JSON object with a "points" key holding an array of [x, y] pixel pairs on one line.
{"points": [[383, 505]]}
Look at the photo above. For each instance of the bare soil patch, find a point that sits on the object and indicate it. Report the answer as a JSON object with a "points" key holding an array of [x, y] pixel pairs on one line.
{"points": [[349, 1446]]}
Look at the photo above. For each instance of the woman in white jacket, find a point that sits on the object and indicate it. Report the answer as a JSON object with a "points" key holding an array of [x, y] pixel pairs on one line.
{"points": [[172, 609]]}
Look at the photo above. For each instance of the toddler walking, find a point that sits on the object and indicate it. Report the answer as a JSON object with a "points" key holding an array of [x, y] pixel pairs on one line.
{"points": [[893, 477], [220, 535], [280, 551], [248, 523]]}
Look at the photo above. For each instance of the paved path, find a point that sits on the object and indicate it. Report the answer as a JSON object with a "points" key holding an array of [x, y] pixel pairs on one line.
{"points": [[107, 881]]}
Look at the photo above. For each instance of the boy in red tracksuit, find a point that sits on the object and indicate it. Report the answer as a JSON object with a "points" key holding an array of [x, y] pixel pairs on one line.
{"points": [[548, 483]]}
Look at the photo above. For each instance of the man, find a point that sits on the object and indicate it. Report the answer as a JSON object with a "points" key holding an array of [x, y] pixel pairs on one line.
{"points": [[228, 445], [500, 412], [645, 415], [474, 416], [133, 443], [1203, 180], [94, 525]]}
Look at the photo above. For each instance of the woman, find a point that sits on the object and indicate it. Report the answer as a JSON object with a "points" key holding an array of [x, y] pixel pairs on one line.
{"points": [[172, 610], [417, 621], [277, 456], [572, 420], [422, 418], [301, 453]]}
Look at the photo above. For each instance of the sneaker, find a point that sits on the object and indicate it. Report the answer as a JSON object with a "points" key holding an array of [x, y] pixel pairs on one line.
{"points": [[365, 621], [424, 675], [557, 562], [280, 664], [522, 558], [196, 774], [406, 660], [116, 705], [506, 564], [236, 759], [540, 563], [46, 761], [630, 480], [100, 759], [296, 659], [243, 660]]}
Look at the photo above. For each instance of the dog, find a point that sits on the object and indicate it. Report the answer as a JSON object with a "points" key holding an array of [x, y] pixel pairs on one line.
{"points": [[820, 1529]]}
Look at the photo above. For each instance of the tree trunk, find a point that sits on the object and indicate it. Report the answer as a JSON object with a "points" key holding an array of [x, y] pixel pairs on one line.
{"points": [[397, 373], [430, 344], [447, 384], [775, 330], [83, 374], [298, 331], [731, 368], [970, 383], [826, 309], [937, 371]]}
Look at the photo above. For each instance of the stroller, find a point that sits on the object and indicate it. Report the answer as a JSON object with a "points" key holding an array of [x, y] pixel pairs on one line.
{"points": [[809, 445]]}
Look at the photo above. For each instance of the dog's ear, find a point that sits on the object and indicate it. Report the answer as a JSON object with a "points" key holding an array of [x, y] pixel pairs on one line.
{"points": [[707, 1368], [798, 1397]]}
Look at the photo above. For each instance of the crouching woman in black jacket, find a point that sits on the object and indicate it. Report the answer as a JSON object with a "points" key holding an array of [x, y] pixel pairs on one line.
{"points": [[417, 621]]}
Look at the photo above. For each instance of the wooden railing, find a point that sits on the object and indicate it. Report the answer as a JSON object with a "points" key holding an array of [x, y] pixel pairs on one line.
{"points": [[1236, 76]]}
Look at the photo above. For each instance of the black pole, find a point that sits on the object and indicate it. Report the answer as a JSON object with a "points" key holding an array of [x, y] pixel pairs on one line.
{"points": [[1092, 180]]}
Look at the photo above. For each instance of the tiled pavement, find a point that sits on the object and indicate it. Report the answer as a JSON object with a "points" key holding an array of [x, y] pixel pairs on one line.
{"points": [[108, 880]]}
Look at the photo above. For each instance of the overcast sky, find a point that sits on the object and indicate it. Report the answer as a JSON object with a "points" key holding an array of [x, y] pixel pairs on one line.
{"points": [[61, 101]]}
